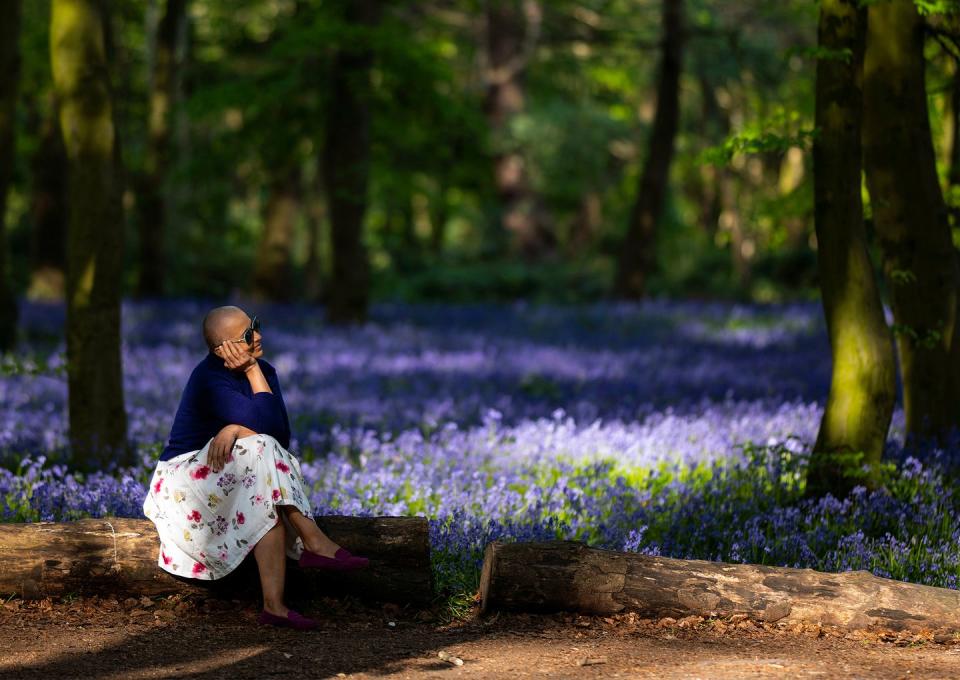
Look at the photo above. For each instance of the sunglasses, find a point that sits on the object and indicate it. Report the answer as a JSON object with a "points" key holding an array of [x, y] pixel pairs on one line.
{"points": [[248, 334]]}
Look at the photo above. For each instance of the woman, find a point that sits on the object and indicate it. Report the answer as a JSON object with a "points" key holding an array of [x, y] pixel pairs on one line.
{"points": [[226, 485]]}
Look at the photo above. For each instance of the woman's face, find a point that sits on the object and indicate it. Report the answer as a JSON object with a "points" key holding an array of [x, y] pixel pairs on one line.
{"points": [[234, 329]]}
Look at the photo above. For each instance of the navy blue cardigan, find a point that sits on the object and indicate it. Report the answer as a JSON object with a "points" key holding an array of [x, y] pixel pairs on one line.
{"points": [[215, 397]]}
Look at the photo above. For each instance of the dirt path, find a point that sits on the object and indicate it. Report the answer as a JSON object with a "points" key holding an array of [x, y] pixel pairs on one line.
{"points": [[110, 640]]}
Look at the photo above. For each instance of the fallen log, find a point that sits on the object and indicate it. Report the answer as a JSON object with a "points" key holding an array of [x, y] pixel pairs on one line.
{"points": [[119, 556], [569, 576]]}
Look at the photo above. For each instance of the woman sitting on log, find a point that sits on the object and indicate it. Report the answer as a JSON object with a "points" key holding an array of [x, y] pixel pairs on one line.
{"points": [[226, 485]]}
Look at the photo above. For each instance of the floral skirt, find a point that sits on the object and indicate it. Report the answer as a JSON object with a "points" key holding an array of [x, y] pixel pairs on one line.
{"points": [[209, 522]]}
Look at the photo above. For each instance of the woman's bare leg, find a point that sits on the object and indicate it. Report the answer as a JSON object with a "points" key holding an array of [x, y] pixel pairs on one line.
{"points": [[271, 557], [312, 536]]}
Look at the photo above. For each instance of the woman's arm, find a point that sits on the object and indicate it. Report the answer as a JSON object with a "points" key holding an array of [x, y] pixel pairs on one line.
{"points": [[263, 412], [237, 359], [222, 444]]}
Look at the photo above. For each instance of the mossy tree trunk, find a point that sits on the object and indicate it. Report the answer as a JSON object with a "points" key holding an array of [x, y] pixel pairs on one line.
{"points": [[863, 384], [346, 168], [152, 211], [953, 173], [909, 214], [9, 79], [638, 253], [98, 421], [273, 275]]}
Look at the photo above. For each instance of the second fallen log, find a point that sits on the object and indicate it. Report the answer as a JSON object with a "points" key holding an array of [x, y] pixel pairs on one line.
{"points": [[569, 576]]}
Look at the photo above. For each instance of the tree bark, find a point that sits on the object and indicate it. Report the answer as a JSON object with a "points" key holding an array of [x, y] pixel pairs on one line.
{"points": [[512, 32], [9, 81], [273, 271], [569, 576], [638, 253], [909, 214], [346, 169], [151, 202], [48, 210], [863, 382], [953, 173], [119, 555], [98, 422]]}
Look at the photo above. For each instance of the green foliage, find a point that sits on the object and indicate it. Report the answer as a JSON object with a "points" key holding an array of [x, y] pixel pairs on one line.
{"points": [[902, 277], [820, 53], [761, 137], [254, 90], [928, 338], [499, 281]]}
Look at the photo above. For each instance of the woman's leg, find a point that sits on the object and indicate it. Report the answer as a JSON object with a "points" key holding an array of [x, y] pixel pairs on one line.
{"points": [[272, 561], [312, 536]]}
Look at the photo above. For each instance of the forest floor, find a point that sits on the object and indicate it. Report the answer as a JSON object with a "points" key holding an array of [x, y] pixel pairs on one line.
{"points": [[175, 637]]}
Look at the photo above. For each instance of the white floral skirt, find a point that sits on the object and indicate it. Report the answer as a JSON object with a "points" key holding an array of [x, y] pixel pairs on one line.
{"points": [[209, 522]]}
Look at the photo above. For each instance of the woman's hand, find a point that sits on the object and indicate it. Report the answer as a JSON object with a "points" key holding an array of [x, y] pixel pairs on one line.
{"points": [[222, 445], [235, 357]]}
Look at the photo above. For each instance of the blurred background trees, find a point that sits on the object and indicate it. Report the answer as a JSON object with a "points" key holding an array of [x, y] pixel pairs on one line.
{"points": [[458, 150], [345, 152]]}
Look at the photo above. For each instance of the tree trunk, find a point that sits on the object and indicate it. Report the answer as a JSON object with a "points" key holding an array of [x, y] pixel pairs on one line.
{"points": [[863, 383], [48, 211], [587, 223], [151, 201], [346, 169], [953, 173], [273, 270], [119, 555], [9, 80], [513, 28], [731, 222], [98, 422], [439, 214], [714, 128], [569, 576], [909, 214], [314, 215], [638, 253]]}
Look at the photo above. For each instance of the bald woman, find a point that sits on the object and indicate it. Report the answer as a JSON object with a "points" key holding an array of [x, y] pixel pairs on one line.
{"points": [[225, 484]]}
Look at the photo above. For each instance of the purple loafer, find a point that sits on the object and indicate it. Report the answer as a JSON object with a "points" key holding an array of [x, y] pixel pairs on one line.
{"points": [[292, 620], [342, 560]]}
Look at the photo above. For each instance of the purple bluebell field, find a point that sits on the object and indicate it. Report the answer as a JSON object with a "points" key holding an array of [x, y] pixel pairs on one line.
{"points": [[680, 429]]}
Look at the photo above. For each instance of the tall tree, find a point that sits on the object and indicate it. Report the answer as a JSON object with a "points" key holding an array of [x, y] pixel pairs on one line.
{"points": [[638, 253], [953, 173], [863, 384], [512, 32], [909, 214], [152, 206], [346, 165], [9, 79], [48, 169], [98, 422], [272, 275]]}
